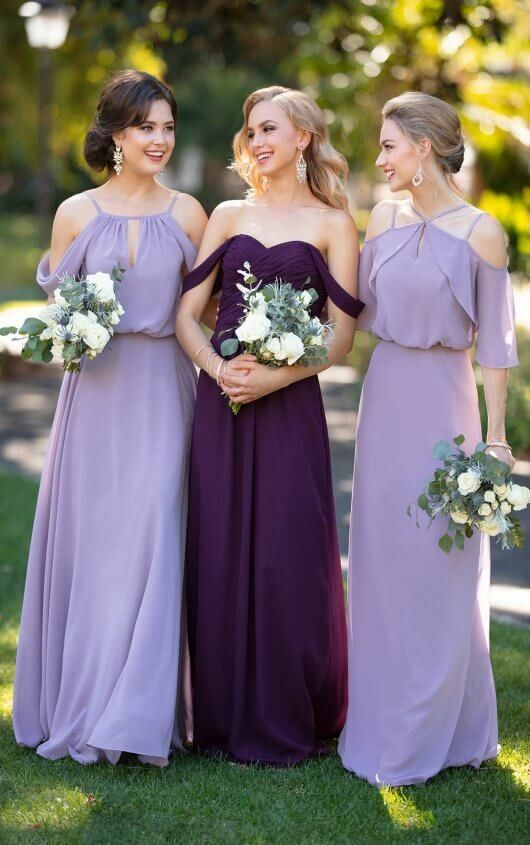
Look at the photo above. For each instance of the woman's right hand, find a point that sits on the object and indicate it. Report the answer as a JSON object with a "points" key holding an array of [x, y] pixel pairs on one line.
{"points": [[238, 366]]}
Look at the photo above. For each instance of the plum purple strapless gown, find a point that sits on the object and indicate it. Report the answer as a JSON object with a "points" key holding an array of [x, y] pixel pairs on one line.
{"points": [[98, 660], [421, 690], [266, 611]]}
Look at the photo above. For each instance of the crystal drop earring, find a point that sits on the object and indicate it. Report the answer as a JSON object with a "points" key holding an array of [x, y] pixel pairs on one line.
{"points": [[301, 168], [118, 159], [417, 179]]}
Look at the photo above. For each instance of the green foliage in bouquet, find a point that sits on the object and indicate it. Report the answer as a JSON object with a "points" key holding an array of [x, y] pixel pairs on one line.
{"points": [[474, 492]]}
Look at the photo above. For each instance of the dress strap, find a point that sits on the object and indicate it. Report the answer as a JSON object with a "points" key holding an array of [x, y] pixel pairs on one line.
{"points": [[174, 198], [338, 295], [394, 212], [94, 202], [203, 270], [473, 224]]}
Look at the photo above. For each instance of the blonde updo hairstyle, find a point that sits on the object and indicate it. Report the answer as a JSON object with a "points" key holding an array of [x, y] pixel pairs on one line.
{"points": [[327, 169], [419, 116]]}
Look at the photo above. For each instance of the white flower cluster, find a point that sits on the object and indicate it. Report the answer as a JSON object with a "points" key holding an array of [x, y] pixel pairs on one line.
{"points": [[81, 319], [475, 492], [277, 326]]}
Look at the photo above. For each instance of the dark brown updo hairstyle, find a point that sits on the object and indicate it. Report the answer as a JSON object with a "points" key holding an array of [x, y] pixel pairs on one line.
{"points": [[124, 101], [421, 116]]}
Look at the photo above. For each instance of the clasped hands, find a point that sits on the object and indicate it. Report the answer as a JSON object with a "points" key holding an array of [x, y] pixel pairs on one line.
{"points": [[244, 380]]}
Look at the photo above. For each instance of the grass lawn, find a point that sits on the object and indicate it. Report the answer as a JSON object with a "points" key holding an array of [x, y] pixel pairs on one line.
{"points": [[206, 801]]}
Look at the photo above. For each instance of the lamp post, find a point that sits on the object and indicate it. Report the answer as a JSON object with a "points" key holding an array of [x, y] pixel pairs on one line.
{"points": [[46, 25]]}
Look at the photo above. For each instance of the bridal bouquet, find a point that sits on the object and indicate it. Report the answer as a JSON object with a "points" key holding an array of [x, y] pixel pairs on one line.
{"points": [[474, 492], [277, 327], [79, 322]]}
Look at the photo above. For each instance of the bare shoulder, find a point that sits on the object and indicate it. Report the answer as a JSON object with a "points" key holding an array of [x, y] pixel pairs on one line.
{"points": [[488, 239], [191, 217], [340, 222], [381, 218], [71, 217], [225, 216]]}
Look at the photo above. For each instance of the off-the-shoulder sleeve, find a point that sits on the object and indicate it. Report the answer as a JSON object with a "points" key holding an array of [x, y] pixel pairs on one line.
{"points": [[367, 318], [203, 270], [340, 297], [496, 342], [71, 262]]}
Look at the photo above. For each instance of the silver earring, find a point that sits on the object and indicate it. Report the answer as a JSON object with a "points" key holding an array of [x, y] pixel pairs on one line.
{"points": [[417, 179], [118, 159], [301, 168]]}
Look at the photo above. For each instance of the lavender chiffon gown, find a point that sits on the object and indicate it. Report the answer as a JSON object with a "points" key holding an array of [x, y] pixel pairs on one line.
{"points": [[98, 664], [266, 611], [421, 690]]}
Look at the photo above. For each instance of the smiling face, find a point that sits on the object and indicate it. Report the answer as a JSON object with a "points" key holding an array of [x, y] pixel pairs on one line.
{"points": [[399, 158], [148, 147], [273, 139]]}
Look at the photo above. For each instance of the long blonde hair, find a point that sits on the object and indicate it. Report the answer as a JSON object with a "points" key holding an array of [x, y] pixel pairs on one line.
{"points": [[327, 169], [421, 116]]}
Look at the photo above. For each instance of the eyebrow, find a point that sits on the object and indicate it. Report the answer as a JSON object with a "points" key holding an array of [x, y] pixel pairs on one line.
{"points": [[387, 141], [263, 123], [153, 122]]}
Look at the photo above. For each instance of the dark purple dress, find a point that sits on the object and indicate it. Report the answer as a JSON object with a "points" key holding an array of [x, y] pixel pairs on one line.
{"points": [[266, 613]]}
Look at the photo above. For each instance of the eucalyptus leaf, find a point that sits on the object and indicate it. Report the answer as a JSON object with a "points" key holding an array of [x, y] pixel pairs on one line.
{"points": [[32, 326], [5, 330], [459, 540], [446, 543], [229, 347], [459, 440], [423, 502], [442, 450]]}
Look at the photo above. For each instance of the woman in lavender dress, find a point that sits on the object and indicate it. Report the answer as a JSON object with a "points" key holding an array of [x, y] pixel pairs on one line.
{"points": [[98, 659], [265, 600], [433, 270]]}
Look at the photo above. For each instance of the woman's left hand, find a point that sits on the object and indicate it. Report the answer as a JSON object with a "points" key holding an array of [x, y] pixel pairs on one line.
{"points": [[501, 454], [260, 381]]}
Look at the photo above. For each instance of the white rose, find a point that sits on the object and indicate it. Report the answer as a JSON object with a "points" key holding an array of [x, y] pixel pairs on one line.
{"points": [[96, 337], [490, 527], [505, 508], [274, 346], [79, 324], [484, 510], [114, 318], [500, 490], [468, 482], [518, 496], [102, 285], [254, 327], [51, 314], [304, 317], [47, 333], [292, 346], [489, 496], [59, 298], [91, 317], [316, 340], [459, 517], [57, 350]]}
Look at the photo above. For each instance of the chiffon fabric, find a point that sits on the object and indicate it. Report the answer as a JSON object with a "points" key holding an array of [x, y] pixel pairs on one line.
{"points": [[99, 659], [421, 689], [266, 611]]}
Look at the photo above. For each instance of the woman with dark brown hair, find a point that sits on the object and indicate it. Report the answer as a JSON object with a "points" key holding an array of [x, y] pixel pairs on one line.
{"points": [[99, 653]]}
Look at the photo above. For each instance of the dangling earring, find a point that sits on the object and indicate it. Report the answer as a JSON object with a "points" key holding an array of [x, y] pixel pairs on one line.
{"points": [[301, 168], [417, 179], [118, 159]]}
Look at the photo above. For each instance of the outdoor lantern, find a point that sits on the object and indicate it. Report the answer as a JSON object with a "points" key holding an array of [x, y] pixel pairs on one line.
{"points": [[46, 23]]}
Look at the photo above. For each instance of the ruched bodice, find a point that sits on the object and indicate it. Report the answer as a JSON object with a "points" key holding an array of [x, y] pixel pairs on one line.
{"points": [[150, 290], [424, 287], [293, 261]]}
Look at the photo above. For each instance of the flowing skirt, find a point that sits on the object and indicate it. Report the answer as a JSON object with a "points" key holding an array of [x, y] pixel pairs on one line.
{"points": [[266, 612], [421, 690], [99, 660]]}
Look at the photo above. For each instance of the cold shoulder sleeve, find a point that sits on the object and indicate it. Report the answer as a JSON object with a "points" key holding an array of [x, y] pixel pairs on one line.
{"points": [[340, 297], [366, 319], [72, 261], [203, 270], [496, 342]]}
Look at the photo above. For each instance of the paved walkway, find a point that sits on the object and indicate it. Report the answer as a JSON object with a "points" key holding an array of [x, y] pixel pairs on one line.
{"points": [[26, 409]]}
